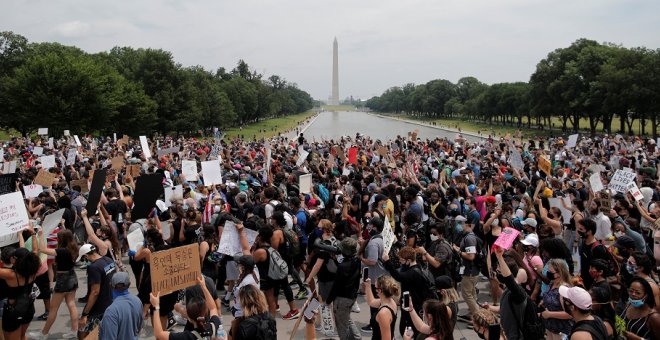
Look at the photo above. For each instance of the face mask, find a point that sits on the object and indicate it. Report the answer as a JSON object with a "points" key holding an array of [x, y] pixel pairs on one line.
{"points": [[337, 211], [551, 276], [636, 303], [459, 227], [434, 237], [116, 294], [216, 209], [593, 274], [582, 233], [384, 206], [619, 234], [521, 206], [632, 269], [185, 207]]}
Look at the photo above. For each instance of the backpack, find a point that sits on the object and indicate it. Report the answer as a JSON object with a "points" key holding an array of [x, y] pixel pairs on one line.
{"points": [[292, 241], [612, 264], [529, 323], [597, 333], [277, 267], [430, 293], [265, 326], [208, 334]]}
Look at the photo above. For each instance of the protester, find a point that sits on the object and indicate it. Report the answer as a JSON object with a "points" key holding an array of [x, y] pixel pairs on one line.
{"points": [[255, 319], [123, 318], [577, 302], [640, 315], [99, 275], [385, 302], [344, 291]]}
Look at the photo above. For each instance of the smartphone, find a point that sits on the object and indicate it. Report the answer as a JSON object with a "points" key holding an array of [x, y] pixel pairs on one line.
{"points": [[406, 299], [365, 274], [312, 307]]}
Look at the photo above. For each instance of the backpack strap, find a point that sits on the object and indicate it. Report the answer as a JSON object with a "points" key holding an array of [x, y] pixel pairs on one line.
{"points": [[197, 335]]}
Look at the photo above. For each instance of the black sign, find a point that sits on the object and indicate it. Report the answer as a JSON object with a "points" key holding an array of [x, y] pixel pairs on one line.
{"points": [[148, 188], [8, 183], [95, 191]]}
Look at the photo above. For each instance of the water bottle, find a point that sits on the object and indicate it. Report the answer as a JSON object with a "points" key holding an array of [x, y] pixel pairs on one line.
{"points": [[220, 333]]}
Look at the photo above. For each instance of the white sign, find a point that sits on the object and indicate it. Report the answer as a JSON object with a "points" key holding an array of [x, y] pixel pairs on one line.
{"points": [[620, 181], [145, 147], [388, 236], [516, 159], [135, 239], [189, 170], [173, 193], [302, 156], [9, 167], [51, 142], [71, 156], [38, 151], [305, 183], [114, 137], [634, 191], [8, 239], [597, 168], [33, 190], [52, 221], [572, 141], [211, 173], [230, 242], [596, 183], [67, 133], [77, 140], [47, 162], [13, 215], [42, 131]]}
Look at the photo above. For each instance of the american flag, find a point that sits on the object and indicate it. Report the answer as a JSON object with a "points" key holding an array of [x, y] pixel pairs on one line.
{"points": [[208, 209]]}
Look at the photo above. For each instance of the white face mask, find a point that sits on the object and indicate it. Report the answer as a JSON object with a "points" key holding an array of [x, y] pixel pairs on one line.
{"points": [[216, 209], [434, 237], [337, 211], [619, 234]]}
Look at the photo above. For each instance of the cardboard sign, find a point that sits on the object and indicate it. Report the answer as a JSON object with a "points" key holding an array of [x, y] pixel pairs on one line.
{"points": [[382, 151], [117, 163], [71, 156], [634, 191], [8, 239], [47, 162], [605, 202], [13, 215], [133, 170], [175, 269], [33, 190], [305, 183], [145, 147], [84, 185], [42, 131], [51, 221], [230, 242], [506, 238], [572, 141], [148, 188], [352, 155], [621, 180], [38, 151], [388, 236], [211, 173], [77, 140], [189, 170], [596, 183], [545, 165], [94, 334], [45, 178], [8, 183], [135, 239], [340, 154], [95, 191]]}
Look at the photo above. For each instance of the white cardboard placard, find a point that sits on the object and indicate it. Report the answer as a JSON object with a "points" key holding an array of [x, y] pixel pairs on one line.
{"points": [[135, 239], [211, 173], [145, 147], [42, 132], [77, 140], [305, 183], [189, 170], [51, 221], [32, 190], [38, 151], [13, 215], [47, 162]]}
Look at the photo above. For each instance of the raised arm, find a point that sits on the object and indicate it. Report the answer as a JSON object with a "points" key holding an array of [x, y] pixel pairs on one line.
{"points": [[102, 246]]}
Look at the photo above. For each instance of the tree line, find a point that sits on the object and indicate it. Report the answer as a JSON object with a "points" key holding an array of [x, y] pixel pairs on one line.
{"points": [[131, 91], [603, 83]]}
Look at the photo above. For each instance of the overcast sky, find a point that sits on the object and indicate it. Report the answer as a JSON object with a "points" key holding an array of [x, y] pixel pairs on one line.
{"points": [[382, 43]]}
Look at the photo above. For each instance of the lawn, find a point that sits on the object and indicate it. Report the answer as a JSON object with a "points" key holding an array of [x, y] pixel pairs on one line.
{"points": [[272, 126]]}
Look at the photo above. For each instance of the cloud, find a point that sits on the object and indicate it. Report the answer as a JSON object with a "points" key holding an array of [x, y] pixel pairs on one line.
{"points": [[72, 29]]}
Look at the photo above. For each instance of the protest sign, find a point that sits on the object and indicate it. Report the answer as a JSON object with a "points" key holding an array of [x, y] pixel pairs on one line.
{"points": [[211, 173], [620, 180], [340, 153], [9, 167], [230, 243], [38, 151], [148, 188], [47, 162], [506, 238], [165, 152], [145, 147], [388, 236], [8, 183], [545, 165], [95, 191], [133, 170], [382, 151], [189, 170], [67, 133], [302, 156], [175, 269], [173, 193], [556, 202], [42, 131], [605, 202], [117, 163], [84, 186], [77, 140], [13, 215], [33, 190], [51, 221], [352, 155], [305, 183], [572, 141], [516, 159], [94, 334], [634, 191], [51, 142], [44, 178], [8, 239], [71, 156], [596, 183], [135, 239]]}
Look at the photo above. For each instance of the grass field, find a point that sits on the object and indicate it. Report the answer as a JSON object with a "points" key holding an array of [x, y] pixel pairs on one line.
{"points": [[272, 126], [338, 107]]}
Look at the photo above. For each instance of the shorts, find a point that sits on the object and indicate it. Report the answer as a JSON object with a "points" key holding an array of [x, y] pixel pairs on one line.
{"points": [[43, 283], [232, 271], [66, 282], [12, 320], [324, 289], [92, 322]]}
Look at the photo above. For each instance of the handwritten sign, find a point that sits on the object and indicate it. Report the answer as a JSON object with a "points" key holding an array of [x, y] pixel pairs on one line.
{"points": [[135, 239], [32, 191], [189, 170], [506, 238], [620, 180], [71, 156], [596, 183], [8, 183], [572, 141], [634, 191], [516, 159], [82, 183], [133, 170], [145, 147], [9, 167], [42, 131], [67, 133], [175, 269], [230, 242], [117, 163], [305, 183], [13, 215], [8, 239], [388, 236], [165, 152], [302, 156], [545, 165], [605, 202], [382, 151], [47, 162], [38, 151], [44, 178]]}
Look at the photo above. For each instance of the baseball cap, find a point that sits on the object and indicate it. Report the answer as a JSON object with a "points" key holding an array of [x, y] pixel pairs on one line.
{"points": [[531, 240], [530, 222], [577, 296], [120, 278], [246, 261], [84, 250]]}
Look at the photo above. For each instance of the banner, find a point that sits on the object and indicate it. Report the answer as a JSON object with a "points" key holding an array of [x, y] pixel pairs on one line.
{"points": [[13, 215], [175, 269]]}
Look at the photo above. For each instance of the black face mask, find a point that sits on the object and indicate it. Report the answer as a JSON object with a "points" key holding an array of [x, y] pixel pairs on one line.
{"points": [[582, 233], [551, 276]]}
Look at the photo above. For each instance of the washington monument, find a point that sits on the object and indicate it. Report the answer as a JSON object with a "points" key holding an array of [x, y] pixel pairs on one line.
{"points": [[334, 99]]}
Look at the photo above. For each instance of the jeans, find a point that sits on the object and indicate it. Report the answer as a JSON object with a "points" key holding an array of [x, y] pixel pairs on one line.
{"points": [[469, 292], [346, 328]]}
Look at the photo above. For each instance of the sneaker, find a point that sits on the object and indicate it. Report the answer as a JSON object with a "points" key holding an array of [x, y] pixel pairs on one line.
{"points": [[70, 335], [43, 317], [302, 295], [292, 314], [36, 335], [465, 318], [82, 299], [330, 334], [366, 329], [225, 302], [355, 308]]}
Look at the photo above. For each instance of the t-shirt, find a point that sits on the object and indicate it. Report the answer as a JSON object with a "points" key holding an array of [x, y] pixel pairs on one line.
{"points": [[123, 319], [469, 245], [212, 326], [586, 255], [63, 259], [374, 252], [531, 262], [323, 275], [116, 207], [100, 272], [248, 280]]}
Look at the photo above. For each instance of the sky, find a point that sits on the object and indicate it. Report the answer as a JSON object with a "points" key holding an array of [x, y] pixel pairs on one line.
{"points": [[382, 43]]}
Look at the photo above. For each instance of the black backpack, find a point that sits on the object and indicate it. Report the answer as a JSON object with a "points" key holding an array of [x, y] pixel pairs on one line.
{"points": [[265, 325], [430, 293], [529, 323]]}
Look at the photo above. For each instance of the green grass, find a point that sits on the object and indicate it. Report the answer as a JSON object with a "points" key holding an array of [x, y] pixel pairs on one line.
{"points": [[272, 126], [338, 107], [584, 125]]}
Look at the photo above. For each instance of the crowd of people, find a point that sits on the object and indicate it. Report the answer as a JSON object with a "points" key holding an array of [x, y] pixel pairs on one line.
{"points": [[413, 225]]}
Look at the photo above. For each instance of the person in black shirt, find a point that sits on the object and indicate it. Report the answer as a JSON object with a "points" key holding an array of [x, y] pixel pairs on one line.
{"points": [[344, 290], [99, 274], [589, 250], [577, 302]]}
